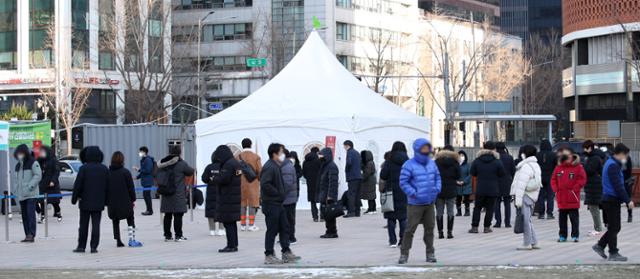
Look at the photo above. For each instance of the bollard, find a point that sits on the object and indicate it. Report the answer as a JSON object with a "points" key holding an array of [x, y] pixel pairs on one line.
{"points": [[191, 201], [46, 216], [6, 219]]}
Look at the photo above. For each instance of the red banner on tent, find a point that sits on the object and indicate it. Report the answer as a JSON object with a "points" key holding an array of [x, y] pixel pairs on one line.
{"points": [[330, 142]]}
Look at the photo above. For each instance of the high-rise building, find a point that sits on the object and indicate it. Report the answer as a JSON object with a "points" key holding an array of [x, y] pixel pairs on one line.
{"points": [[476, 10], [523, 18]]}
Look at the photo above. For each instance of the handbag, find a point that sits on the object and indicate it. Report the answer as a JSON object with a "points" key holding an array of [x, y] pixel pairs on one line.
{"points": [[332, 210], [386, 201], [248, 171], [518, 228]]}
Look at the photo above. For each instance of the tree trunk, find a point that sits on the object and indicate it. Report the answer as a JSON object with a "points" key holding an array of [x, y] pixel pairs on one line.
{"points": [[69, 140]]}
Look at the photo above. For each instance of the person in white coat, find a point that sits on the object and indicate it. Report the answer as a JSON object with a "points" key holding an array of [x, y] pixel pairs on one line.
{"points": [[526, 188]]}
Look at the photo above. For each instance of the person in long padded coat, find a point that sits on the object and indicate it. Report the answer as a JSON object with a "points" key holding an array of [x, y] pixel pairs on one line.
{"points": [[464, 190], [175, 206], [390, 174], [593, 165], [310, 171], [488, 170], [547, 160], [215, 227], [49, 183], [227, 181], [291, 188], [27, 175], [505, 187], [90, 190], [448, 164], [121, 197], [328, 183], [369, 181]]}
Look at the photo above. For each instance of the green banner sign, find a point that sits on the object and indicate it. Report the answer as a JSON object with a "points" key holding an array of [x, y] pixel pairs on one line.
{"points": [[27, 133], [256, 62]]}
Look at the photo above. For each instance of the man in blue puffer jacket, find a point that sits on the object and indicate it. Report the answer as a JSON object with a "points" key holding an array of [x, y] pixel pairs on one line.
{"points": [[420, 181]]}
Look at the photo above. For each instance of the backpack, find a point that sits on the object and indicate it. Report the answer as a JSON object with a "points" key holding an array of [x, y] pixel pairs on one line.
{"points": [[154, 171], [166, 182], [248, 171]]}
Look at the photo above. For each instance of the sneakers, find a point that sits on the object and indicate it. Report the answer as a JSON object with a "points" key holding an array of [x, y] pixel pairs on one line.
{"points": [[393, 245], [431, 258], [243, 227], [212, 233], [289, 257], [228, 250], [134, 243], [497, 225], [550, 217], [575, 239], [180, 239], [221, 232], [168, 239], [315, 220], [535, 247], [147, 213], [562, 239], [403, 259], [600, 251], [329, 235], [488, 230], [28, 239], [41, 220], [525, 248], [271, 260], [78, 250], [253, 228], [373, 212], [473, 230], [615, 257]]}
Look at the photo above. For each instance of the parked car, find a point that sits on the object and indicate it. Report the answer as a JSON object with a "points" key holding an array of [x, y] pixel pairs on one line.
{"points": [[68, 171], [72, 157]]}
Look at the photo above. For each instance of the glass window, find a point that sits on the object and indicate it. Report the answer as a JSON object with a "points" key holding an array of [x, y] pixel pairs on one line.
{"points": [[40, 19], [8, 31]]}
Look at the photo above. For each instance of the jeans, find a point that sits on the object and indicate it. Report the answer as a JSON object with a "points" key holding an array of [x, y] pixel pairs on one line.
{"points": [[529, 235], [545, 199], [28, 211], [416, 215], [596, 216], [231, 230], [574, 216], [610, 237], [506, 200], [391, 229], [353, 196], [291, 219], [177, 224], [483, 202], [146, 194], [276, 219], [116, 227], [442, 203], [83, 231]]}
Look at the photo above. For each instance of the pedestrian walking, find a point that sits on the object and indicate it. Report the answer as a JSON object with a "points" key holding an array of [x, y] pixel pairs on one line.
{"points": [[90, 191], [369, 181], [310, 171], [354, 178], [613, 194], [420, 181], [525, 189], [26, 187], [488, 169], [328, 183], [505, 187], [567, 181], [547, 161], [174, 206], [145, 174], [390, 174], [226, 178], [121, 198], [464, 190], [448, 163], [291, 188], [250, 189], [215, 227], [49, 183], [272, 191], [593, 163]]}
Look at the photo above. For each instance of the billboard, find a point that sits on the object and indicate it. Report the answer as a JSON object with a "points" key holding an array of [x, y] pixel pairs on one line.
{"points": [[28, 133]]}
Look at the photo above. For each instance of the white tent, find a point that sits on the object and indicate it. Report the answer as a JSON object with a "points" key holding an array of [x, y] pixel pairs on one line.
{"points": [[312, 98]]}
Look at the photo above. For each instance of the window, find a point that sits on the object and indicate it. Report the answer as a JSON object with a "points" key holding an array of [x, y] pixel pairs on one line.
{"points": [[40, 19], [105, 35], [80, 33], [156, 48], [226, 32], [223, 63], [8, 31], [208, 4], [342, 31], [583, 52]]}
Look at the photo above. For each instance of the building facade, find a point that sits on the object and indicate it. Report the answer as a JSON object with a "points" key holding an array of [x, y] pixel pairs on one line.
{"points": [[476, 10], [524, 18]]}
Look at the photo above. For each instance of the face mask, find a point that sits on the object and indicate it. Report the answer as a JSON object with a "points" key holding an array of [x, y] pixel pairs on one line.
{"points": [[292, 160], [20, 157], [281, 157], [141, 154], [43, 155], [523, 156], [462, 158], [564, 157], [623, 161]]}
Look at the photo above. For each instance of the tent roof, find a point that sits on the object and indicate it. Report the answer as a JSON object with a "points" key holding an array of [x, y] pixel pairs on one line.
{"points": [[313, 91]]}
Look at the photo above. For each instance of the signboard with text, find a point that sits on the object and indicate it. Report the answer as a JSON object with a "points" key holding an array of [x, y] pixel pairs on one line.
{"points": [[256, 62], [330, 142], [28, 133]]}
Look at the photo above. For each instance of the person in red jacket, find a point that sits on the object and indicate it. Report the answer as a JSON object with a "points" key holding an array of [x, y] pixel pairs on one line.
{"points": [[567, 180]]}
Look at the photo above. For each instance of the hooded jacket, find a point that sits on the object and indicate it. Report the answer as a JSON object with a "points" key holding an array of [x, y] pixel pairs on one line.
{"points": [[120, 193], [311, 171], [176, 203], [488, 169], [449, 167], [212, 191], [90, 187], [27, 175], [328, 180], [567, 180], [527, 173], [547, 161], [352, 167], [509, 172], [593, 165], [390, 173], [369, 179], [226, 178], [50, 173], [290, 180], [465, 176], [420, 179], [613, 188]]}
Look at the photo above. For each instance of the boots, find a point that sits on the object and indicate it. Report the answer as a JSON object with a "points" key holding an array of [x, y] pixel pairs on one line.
{"points": [[630, 216], [459, 211], [450, 227], [439, 221], [467, 212], [132, 237]]}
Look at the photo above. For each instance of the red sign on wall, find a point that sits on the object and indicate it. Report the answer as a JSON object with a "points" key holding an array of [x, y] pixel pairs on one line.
{"points": [[330, 142], [37, 145]]}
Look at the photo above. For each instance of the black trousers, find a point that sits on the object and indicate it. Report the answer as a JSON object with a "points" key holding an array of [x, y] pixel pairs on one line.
{"points": [[353, 196], [610, 237], [506, 200], [177, 224], [291, 219], [83, 231], [314, 210], [276, 220], [545, 199], [116, 227], [231, 230], [372, 205], [147, 199], [55, 203], [488, 204], [573, 215], [461, 198], [331, 225]]}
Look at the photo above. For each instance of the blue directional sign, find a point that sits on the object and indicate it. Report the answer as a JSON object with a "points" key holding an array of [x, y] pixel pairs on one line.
{"points": [[216, 106]]}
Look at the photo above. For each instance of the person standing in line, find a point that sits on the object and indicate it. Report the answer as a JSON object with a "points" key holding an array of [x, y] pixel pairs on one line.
{"points": [[629, 183], [145, 174], [26, 180], [272, 191], [226, 178], [90, 190], [593, 164], [250, 189], [328, 183], [390, 174], [613, 194], [174, 206], [354, 178], [567, 181], [420, 181], [49, 183], [215, 227], [448, 163], [310, 171], [525, 188], [121, 198], [488, 169], [464, 190], [547, 161], [505, 187], [291, 188], [369, 181]]}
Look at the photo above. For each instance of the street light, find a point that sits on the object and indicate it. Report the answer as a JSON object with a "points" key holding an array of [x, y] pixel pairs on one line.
{"points": [[199, 42]]}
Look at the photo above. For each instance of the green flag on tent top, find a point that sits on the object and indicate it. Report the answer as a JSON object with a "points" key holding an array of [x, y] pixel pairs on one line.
{"points": [[316, 23]]}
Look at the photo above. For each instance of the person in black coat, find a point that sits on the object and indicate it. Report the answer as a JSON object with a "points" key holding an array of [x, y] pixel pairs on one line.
{"points": [[488, 169], [226, 177], [310, 171], [49, 183], [121, 196], [448, 164], [629, 183], [328, 189], [215, 228], [505, 186], [90, 191], [390, 174], [547, 161], [593, 164]]}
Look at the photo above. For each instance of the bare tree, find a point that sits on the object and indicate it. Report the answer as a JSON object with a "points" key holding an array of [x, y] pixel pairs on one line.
{"points": [[544, 96], [379, 57], [632, 57]]}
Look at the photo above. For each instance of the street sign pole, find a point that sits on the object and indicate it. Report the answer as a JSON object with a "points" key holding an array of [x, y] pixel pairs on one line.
{"points": [[4, 146]]}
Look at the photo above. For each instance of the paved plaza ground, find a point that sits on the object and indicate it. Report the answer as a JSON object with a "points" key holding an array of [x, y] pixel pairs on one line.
{"points": [[362, 244]]}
